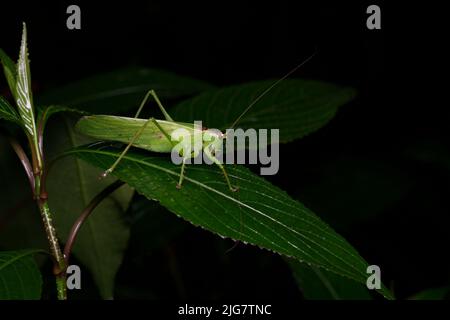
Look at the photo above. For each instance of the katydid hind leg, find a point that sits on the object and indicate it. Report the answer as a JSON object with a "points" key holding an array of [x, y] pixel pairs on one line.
{"points": [[124, 152], [136, 136], [163, 110], [158, 102], [164, 132]]}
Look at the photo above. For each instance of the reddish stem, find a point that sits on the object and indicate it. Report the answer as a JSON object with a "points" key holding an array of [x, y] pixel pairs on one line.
{"points": [[85, 214], [25, 162]]}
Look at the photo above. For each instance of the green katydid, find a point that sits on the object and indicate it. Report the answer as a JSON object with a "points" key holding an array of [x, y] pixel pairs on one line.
{"points": [[148, 134], [155, 135]]}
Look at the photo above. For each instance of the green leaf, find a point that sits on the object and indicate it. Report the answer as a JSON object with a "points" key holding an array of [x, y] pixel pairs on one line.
{"points": [[259, 213], [45, 113], [8, 113], [296, 107], [319, 284], [432, 294], [9, 69], [121, 90], [24, 97], [20, 277], [71, 186]]}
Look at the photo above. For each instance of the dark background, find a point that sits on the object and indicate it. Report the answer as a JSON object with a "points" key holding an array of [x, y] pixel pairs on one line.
{"points": [[378, 173]]}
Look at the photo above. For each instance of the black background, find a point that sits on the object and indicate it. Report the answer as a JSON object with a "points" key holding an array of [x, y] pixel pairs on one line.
{"points": [[398, 125]]}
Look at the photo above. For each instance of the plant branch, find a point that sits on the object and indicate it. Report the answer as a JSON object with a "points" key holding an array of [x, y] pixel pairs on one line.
{"points": [[36, 177], [20, 85], [25, 162], [85, 214]]}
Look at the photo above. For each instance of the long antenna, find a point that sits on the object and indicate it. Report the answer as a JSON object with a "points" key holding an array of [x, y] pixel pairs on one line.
{"points": [[270, 88]]}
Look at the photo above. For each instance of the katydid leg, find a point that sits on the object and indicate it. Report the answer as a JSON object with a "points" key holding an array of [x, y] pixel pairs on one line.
{"points": [[158, 102], [141, 129], [217, 162], [136, 136], [180, 181]]}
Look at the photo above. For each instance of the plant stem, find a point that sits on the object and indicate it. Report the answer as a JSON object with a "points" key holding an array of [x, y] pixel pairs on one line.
{"points": [[59, 269], [37, 183], [51, 232], [60, 265], [61, 286]]}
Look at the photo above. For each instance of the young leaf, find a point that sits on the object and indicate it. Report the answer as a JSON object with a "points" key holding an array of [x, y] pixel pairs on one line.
{"points": [[121, 90], [71, 185], [20, 277], [9, 69], [259, 213], [297, 107], [24, 97], [8, 113]]}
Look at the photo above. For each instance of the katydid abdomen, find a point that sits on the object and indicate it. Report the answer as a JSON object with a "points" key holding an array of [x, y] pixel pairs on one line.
{"points": [[123, 129]]}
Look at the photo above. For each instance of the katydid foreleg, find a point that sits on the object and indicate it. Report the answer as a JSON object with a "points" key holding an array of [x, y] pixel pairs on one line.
{"points": [[180, 181], [211, 157]]}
